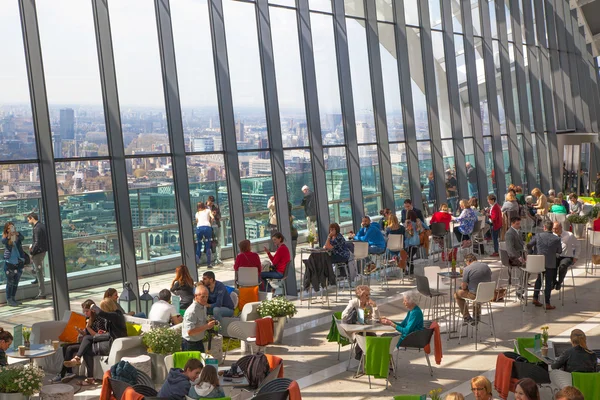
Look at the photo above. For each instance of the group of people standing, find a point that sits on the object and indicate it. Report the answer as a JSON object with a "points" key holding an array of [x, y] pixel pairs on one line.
{"points": [[15, 258]]}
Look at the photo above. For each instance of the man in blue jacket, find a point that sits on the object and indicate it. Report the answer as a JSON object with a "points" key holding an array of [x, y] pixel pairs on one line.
{"points": [[178, 383], [219, 301], [371, 233]]}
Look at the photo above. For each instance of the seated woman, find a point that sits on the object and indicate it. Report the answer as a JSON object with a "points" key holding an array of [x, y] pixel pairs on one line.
{"points": [[247, 258], [519, 195], [412, 241], [95, 325], [111, 293], [467, 220], [362, 300], [510, 203], [541, 205], [109, 311], [394, 227], [596, 224], [6, 339], [442, 216], [279, 260], [183, 286], [481, 388], [413, 320], [557, 207], [337, 244], [565, 203], [578, 358], [208, 386]]}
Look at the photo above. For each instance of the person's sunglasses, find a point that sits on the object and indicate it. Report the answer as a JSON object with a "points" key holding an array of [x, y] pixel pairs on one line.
{"points": [[475, 389]]}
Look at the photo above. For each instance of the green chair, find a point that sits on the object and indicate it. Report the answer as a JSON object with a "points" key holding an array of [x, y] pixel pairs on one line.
{"points": [[521, 344], [588, 383], [410, 397], [180, 358], [376, 357], [334, 335]]}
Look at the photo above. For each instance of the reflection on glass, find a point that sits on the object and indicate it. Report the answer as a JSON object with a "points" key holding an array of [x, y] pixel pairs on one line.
{"points": [[289, 3], [153, 207], [441, 82], [435, 14], [463, 90], [385, 11], [290, 90], [72, 78], [330, 109], [196, 75], [391, 83], [470, 167], [476, 18], [16, 123], [369, 178], [298, 172], [535, 159], [320, 5], [354, 8], [338, 186], [522, 163], [528, 87], [207, 177], [456, 17], [399, 174], [509, 30], [515, 92], [499, 93], [489, 164], [361, 82], [493, 21], [411, 12], [426, 172], [139, 77], [245, 74], [88, 218], [417, 82], [506, 158], [483, 102], [450, 174]]}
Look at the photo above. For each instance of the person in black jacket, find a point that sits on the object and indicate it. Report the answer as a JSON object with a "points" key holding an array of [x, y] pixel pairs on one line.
{"points": [[183, 286], [178, 383], [38, 250], [99, 344], [13, 261], [578, 358], [407, 207], [310, 208]]}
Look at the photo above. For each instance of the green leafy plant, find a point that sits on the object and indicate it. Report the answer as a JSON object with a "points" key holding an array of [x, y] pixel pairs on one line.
{"points": [[311, 238], [594, 213], [24, 379], [578, 219], [545, 335], [277, 307], [162, 340], [434, 394], [26, 333]]}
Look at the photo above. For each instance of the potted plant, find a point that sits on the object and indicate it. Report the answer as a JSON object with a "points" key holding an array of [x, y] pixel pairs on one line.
{"points": [[434, 394], [159, 343], [311, 238], [578, 222], [26, 337], [18, 382], [545, 340], [279, 309]]}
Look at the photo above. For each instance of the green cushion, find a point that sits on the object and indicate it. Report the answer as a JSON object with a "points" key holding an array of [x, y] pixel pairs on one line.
{"points": [[377, 356], [133, 329], [410, 397], [588, 383], [524, 343], [334, 334], [182, 357]]}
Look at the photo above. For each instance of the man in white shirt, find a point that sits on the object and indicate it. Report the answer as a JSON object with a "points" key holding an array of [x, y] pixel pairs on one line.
{"points": [[164, 311], [571, 249]]}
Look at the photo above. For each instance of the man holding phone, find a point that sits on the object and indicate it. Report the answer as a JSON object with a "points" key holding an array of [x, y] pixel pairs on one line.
{"points": [[38, 249], [195, 321]]}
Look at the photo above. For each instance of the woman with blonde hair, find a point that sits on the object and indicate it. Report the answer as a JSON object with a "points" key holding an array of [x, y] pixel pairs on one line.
{"points": [[481, 388], [362, 300], [455, 396], [541, 204], [578, 358], [510, 203]]}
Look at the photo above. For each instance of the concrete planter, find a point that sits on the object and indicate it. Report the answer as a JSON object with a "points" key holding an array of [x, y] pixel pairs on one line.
{"points": [[159, 369], [278, 328]]}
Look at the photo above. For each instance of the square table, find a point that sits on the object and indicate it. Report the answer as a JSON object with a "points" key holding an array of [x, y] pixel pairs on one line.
{"points": [[373, 328], [453, 276], [548, 359]]}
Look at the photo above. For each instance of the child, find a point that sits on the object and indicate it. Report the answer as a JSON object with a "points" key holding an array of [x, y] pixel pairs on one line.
{"points": [[208, 385], [6, 340]]}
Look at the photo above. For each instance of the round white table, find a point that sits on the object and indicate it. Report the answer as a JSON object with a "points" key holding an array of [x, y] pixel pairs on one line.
{"points": [[33, 352]]}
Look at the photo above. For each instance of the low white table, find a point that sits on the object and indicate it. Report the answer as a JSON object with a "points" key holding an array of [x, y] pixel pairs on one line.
{"points": [[34, 351], [375, 328]]}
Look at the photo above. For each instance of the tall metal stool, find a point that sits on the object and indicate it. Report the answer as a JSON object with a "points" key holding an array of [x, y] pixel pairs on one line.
{"points": [[361, 253], [485, 295], [395, 244], [535, 265], [510, 279], [594, 242], [438, 231]]}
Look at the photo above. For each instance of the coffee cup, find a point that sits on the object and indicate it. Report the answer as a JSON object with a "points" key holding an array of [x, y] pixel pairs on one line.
{"points": [[55, 344], [21, 350]]}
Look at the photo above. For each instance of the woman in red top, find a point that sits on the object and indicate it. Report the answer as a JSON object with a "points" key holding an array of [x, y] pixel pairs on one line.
{"points": [[597, 224], [496, 218], [247, 258], [443, 216], [279, 260]]}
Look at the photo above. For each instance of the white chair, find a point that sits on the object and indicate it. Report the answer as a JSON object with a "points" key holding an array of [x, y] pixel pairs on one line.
{"points": [[361, 341], [395, 243], [339, 278], [246, 277], [535, 265], [485, 295], [246, 332], [511, 272], [361, 253], [349, 337], [594, 242]]}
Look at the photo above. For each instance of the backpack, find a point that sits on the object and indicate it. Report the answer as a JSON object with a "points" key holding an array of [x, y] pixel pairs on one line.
{"points": [[257, 370]]}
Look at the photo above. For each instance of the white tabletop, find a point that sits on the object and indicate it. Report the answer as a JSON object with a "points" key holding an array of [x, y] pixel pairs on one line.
{"points": [[241, 381], [35, 351], [355, 328]]}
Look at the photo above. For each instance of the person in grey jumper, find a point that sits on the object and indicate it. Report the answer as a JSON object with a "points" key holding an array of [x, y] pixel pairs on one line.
{"points": [[548, 245]]}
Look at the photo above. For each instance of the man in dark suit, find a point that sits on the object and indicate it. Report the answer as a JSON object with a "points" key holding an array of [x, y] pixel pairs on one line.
{"points": [[549, 245], [407, 207], [38, 249], [514, 243]]}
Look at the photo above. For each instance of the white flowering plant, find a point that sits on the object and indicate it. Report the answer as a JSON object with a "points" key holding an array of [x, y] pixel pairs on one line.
{"points": [[277, 307], [24, 379], [162, 340]]}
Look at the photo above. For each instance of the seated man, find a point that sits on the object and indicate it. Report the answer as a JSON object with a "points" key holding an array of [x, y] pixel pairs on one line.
{"points": [[178, 383], [164, 311], [571, 249], [475, 273], [371, 233], [219, 301], [413, 320]]}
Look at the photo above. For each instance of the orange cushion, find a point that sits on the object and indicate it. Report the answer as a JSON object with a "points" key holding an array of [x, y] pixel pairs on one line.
{"points": [[69, 335], [247, 295]]}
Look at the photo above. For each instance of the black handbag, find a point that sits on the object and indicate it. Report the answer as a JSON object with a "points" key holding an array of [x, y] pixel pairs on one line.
{"points": [[101, 344]]}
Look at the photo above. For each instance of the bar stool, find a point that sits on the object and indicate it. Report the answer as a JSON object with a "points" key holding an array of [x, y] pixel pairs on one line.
{"points": [[433, 312], [337, 269], [535, 265], [561, 292], [361, 253], [395, 244], [594, 241], [504, 260], [485, 295], [438, 231]]}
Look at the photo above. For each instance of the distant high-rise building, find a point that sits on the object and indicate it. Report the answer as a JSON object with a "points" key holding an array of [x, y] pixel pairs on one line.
{"points": [[263, 144], [362, 132], [57, 145], [67, 123], [333, 120], [240, 135], [205, 143]]}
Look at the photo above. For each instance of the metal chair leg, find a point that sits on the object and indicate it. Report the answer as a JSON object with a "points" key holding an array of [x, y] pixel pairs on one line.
{"points": [[573, 279], [492, 323], [429, 364]]}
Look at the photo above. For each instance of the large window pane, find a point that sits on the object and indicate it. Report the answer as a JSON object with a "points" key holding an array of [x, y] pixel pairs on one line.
{"points": [[528, 87], [391, 83], [72, 78], [417, 82], [509, 30], [441, 83], [476, 17], [320, 5], [245, 74], [515, 91], [298, 172], [426, 173], [16, 125], [450, 174], [463, 90], [139, 76], [522, 163], [481, 84], [257, 189], [399, 174], [361, 82], [470, 168], [196, 75], [435, 14], [411, 12], [506, 158], [355, 8], [493, 21], [290, 89], [153, 207], [328, 90], [87, 214], [207, 177], [489, 164], [338, 185], [370, 179], [499, 92], [385, 11], [456, 17]]}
